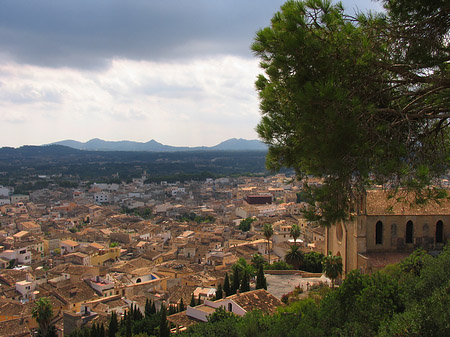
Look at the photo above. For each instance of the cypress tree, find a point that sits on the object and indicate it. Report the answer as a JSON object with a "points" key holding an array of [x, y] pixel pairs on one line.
{"points": [[219, 292], [199, 300], [124, 319], [163, 326], [137, 315], [171, 310], [181, 306], [153, 310], [236, 281], [148, 308], [261, 279], [94, 332], [226, 285], [128, 332], [102, 331], [113, 326], [192, 304], [245, 283], [131, 312]]}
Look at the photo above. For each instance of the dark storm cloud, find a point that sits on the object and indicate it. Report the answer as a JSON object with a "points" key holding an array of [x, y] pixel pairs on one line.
{"points": [[86, 34]]}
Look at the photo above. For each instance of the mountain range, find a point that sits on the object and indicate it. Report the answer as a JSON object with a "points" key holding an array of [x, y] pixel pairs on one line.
{"points": [[97, 144]]}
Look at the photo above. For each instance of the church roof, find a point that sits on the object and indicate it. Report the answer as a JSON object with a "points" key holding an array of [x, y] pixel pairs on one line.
{"points": [[378, 202]]}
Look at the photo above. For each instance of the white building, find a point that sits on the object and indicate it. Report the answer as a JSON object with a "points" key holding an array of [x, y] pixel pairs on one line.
{"points": [[21, 255], [102, 197]]}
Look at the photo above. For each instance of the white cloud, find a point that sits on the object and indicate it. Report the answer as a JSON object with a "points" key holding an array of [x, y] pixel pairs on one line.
{"points": [[201, 102]]}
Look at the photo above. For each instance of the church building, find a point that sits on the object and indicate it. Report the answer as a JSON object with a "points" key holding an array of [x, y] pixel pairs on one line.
{"points": [[383, 231]]}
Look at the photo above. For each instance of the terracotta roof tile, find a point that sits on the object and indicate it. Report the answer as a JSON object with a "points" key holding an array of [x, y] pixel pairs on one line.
{"points": [[379, 203]]}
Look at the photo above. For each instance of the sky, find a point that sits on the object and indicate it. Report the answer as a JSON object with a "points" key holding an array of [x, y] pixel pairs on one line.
{"points": [[177, 71]]}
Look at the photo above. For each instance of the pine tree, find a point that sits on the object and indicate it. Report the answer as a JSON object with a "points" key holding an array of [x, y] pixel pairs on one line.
{"points": [[226, 285]]}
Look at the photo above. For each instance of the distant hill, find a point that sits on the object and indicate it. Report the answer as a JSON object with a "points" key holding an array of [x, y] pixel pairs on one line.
{"points": [[97, 144], [63, 161], [240, 144]]}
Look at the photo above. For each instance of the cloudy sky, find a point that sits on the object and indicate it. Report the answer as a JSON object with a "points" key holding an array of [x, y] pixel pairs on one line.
{"points": [[177, 71]]}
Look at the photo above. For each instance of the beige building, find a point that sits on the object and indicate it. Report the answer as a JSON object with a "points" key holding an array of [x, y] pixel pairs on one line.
{"points": [[383, 231]]}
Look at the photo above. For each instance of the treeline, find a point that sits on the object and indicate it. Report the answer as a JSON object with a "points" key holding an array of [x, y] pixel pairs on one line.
{"points": [[133, 323], [189, 217], [86, 165]]}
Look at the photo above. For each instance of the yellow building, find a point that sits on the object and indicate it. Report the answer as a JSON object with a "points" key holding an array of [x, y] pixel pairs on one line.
{"points": [[104, 255]]}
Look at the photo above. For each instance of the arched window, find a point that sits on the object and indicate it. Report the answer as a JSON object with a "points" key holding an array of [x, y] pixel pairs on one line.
{"points": [[379, 233], [138, 280], [439, 232], [409, 232]]}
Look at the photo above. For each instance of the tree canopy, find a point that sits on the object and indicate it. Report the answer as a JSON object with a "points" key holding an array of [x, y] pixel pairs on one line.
{"points": [[332, 267], [42, 311], [357, 100]]}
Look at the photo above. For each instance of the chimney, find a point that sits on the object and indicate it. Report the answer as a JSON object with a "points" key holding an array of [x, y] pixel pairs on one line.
{"points": [[237, 292]]}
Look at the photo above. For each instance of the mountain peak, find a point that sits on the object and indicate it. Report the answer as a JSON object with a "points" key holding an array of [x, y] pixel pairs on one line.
{"points": [[97, 144]]}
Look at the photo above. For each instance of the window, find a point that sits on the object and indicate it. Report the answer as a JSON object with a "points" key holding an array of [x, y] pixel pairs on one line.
{"points": [[379, 233], [230, 307], [439, 232], [409, 232]]}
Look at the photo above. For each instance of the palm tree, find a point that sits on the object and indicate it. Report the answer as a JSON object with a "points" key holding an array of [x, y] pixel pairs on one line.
{"points": [[268, 232], [295, 233], [43, 313], [294, 256], [332, 267], [257, 260]]}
